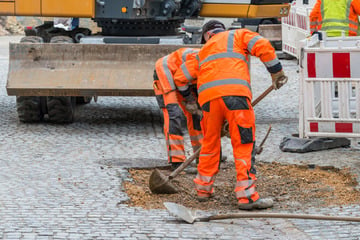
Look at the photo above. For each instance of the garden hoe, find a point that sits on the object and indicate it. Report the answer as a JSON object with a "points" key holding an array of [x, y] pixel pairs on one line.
{"points": [[160, 184], [186, 215]]}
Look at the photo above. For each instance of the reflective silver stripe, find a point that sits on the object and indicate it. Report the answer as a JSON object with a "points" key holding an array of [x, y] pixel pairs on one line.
{"points": [[188, 51], [206, 188], [246, 193], [176, 152], [348, 8], [242, 160], [245, 183], [183, 88], [230, 43], [186, 72], [206, 179], [168, 73], [354, 23], [335, 28], [206, 155], [175, 141], [198, 59], [228, 81], [253, 42], [271, 63], [185, 53], [322, 9], [224, 55], [339, 21], [197, 137], [335, 20]]}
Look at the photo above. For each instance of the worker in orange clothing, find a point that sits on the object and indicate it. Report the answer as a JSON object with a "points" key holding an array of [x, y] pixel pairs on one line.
{"points": [[224, 93], [335, 17], [172, 105]]}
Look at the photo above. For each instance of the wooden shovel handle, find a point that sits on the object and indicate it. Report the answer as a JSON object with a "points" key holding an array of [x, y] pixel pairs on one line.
{"points": [[264, 94], [278, 215], [185, 164]]}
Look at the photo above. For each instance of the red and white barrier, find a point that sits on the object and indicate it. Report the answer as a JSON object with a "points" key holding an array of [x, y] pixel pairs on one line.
{"points": [[296, 26], [330, 88]]}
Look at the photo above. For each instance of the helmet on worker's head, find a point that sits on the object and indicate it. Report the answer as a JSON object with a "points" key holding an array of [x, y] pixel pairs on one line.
{"points": [[211, 25]]}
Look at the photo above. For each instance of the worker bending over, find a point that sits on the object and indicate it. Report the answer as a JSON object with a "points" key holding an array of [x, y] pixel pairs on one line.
{"points": [[224, 93], [172, 105], [335, 17]]}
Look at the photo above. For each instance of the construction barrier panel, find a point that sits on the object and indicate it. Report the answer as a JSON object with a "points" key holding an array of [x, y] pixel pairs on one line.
{"points": [[330, 87], [296, 26]]}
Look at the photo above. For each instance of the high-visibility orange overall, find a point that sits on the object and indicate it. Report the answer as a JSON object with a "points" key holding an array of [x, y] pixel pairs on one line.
{"points": [[223, 82], [170, 102]]}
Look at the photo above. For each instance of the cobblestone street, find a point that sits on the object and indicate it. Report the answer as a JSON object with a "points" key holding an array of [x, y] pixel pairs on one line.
{"points": [[65, 181]]}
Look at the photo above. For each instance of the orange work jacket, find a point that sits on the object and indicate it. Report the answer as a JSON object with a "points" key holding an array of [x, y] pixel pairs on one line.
{"points": [[223, 63], [167, 66]]}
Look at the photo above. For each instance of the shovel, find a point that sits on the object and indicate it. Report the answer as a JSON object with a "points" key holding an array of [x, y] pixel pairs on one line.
{"points": [[186, 215], [160, 184]]}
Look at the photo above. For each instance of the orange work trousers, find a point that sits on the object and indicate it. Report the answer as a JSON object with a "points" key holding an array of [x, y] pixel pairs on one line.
{"points": [[173, 111], [237, 110]]}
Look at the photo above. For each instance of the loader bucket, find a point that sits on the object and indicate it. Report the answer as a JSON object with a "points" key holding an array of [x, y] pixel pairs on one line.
{"points": [[83, 69]]}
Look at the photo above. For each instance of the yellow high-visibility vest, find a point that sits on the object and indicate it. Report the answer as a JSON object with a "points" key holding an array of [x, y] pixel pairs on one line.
{"points": [[335, 17]]}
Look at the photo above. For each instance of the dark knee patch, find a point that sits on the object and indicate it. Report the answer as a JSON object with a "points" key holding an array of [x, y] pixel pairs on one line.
{"points": [[253, 155], [206, 107], [160, 100], [194, 90], [246, 135], [236, 102], [196, 122], [175, 117]]}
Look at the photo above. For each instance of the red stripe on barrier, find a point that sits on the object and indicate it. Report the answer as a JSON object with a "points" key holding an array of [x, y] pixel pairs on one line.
{"points": [[343, 127], [314, 127], [311, 65], [341, 65]]}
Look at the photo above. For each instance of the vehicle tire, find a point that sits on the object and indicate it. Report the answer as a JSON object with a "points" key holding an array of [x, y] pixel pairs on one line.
{"points": [[31, 39], [61, 109], [61, 39], [29, 109], [266, 21], [83, 100]]}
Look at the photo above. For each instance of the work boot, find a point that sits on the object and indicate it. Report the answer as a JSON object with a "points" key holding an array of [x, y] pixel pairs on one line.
{"points": [[261, 203]]}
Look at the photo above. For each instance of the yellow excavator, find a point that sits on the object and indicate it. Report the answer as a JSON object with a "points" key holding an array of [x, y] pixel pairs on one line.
{"points": [[52, 69]]}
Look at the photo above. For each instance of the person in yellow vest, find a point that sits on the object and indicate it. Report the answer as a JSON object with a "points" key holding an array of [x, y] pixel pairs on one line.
{"points": [[335, 17]]}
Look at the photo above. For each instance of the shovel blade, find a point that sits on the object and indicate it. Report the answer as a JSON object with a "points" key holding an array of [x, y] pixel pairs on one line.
{"points": [[180, 211], [160, 184]]}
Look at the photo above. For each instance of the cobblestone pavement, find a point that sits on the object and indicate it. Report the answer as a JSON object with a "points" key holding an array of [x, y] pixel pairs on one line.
{"points": [[65, 181]]}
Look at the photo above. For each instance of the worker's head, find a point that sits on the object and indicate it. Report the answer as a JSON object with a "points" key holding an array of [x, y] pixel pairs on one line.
{"points": [[211, 28]]}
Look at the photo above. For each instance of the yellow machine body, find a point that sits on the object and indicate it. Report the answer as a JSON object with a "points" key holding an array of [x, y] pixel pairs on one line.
{"points": [[48, 8], [244, 10]]}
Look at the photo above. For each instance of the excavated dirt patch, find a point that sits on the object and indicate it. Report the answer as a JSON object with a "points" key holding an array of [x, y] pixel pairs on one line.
{"points": [[291, 187]]}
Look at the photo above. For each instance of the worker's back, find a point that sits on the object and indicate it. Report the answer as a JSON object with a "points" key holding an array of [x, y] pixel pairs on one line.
{"points": [[335, 17]]}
